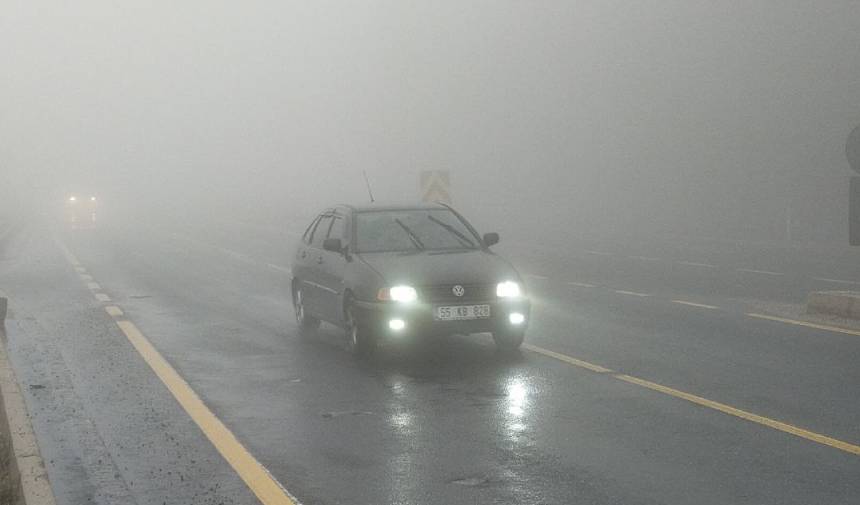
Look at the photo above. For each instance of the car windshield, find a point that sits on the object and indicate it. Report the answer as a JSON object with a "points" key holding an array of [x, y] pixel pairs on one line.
{"points": [[412, 230]]}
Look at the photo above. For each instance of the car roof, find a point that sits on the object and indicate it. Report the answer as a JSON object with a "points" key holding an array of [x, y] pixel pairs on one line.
{"points": [[371, 207]]}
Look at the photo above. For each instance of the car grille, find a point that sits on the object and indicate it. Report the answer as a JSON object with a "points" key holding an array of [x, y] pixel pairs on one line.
{"points": [[445, 293]]}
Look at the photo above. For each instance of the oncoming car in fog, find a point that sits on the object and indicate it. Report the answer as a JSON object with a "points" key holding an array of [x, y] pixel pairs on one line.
{"points": [[80, 212], [383, 272]]}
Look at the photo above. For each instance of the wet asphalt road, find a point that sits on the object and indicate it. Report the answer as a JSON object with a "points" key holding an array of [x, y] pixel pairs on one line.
{"points": [[447, 422]]}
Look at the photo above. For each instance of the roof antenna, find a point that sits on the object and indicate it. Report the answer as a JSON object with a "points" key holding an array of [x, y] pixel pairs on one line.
{"points": [[366, 181]]}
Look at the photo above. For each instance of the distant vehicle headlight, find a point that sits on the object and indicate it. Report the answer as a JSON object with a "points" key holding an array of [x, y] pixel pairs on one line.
{"points": [[508, 289], [92, 198], [403, 294], [73, 199]]}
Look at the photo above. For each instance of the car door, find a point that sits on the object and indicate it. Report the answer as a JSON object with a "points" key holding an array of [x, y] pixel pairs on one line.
{"points": [[331, 272], [299, 266], [310, 259]]}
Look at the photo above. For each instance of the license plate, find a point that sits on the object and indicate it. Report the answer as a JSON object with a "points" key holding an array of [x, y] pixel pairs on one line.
{"points": [[462, 312]]}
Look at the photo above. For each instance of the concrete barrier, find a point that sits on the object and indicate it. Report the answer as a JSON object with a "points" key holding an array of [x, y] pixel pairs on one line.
{"points": [[834, 303]]}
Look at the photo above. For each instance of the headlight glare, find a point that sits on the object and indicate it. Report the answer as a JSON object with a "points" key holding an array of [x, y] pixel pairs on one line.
{"points": [[403, 294], [508, 289]]}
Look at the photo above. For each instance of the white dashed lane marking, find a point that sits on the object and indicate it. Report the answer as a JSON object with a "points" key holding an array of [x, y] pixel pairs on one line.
{"points": [[694, 304], [763, 272], [279, 268], [835, 281], [644, 258], [695, 264], [582, 284], [632, 293]]}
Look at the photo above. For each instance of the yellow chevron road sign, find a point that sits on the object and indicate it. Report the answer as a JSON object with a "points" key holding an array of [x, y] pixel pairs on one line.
{"points": [[435, 186]]}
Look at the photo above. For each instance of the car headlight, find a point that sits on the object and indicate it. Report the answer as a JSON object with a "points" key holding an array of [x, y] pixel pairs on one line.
{"points": [[508, 289], [403, 294]]}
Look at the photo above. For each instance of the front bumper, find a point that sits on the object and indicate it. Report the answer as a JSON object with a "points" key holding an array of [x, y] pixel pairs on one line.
{"points": [[420, 321]]}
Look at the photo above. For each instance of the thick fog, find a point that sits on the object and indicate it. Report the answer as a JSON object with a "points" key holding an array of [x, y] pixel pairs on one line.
{"points": [[718, 119]]}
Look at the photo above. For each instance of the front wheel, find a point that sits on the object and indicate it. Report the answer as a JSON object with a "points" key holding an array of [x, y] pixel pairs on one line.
{"points": [[359, 340], [509, 340]]}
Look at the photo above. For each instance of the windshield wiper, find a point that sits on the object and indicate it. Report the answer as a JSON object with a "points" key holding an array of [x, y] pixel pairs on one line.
{"points": [[462, 238], [414, 238]]}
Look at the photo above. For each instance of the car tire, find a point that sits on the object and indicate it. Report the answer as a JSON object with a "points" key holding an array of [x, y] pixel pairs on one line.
{"points": [[307, 324], [359, 340], [509, 340]]}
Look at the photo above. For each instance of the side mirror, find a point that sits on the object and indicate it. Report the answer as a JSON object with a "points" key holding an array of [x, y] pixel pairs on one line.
{"points": [[333, 245], [491, 239]]}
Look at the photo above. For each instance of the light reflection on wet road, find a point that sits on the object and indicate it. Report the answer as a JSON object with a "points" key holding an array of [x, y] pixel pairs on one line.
{"points": [[450, 422]]}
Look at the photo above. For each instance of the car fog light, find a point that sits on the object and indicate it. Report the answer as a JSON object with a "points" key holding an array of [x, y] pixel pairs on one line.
{"points": [[516, 318], [396, 324]]}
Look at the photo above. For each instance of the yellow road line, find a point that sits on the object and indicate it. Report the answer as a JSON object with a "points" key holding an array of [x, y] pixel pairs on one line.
{"points": [[567, 359], [807, 324], [102, 297], [113, 310], [268, 490], [693, 304], [698, 400], [764, 421]]}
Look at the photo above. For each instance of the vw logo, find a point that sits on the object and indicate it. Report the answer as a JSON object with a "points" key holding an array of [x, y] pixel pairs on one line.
{"points": [[458, 290]]}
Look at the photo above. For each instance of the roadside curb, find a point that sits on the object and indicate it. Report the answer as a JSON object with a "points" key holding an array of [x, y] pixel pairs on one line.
{"points": [[837, 303], [27, 473]]}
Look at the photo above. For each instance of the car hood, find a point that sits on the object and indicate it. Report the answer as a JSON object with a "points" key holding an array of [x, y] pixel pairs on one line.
{"points": [[440, 267]]}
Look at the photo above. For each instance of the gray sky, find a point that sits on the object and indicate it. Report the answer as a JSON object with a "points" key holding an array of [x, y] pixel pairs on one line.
{"points": [[598, 106]]}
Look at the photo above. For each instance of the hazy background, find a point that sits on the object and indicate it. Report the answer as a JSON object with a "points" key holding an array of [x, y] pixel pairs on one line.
{"points": [[717, 119]]}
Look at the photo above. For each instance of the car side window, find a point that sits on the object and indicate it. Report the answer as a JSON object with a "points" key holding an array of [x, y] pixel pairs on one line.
{"points": [[337, 228], [306, 238], [321, 231]]}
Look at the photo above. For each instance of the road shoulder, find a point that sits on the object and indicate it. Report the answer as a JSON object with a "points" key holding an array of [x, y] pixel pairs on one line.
{"points": [[25, 479]]}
